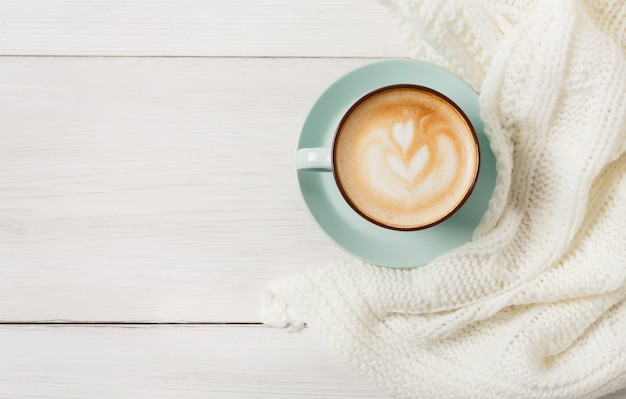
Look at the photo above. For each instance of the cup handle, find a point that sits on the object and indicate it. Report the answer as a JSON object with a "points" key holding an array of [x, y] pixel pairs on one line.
{"points": [[316, 158]]}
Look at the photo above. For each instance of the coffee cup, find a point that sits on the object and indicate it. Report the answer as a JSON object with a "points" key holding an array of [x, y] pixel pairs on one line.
{"points": [[404, 157]]}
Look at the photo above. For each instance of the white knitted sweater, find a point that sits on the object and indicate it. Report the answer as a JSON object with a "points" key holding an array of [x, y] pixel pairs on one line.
{"points": [[535, 305]]}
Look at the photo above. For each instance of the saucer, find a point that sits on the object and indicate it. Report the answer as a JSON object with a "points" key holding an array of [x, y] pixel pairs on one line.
{"points": [[357, 236]]}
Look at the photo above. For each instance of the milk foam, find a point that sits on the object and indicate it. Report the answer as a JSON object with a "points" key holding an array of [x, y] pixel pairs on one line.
{"points": [[406, 158]]}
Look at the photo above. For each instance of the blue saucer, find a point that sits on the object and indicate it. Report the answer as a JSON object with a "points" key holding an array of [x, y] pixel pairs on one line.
{"points": [[339, 221]]}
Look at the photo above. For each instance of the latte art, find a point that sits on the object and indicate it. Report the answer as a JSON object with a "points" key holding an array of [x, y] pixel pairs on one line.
{"points": [[405, 157]]}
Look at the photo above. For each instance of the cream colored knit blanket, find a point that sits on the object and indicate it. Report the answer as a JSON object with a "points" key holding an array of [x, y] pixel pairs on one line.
{"points": [[535, 305]]}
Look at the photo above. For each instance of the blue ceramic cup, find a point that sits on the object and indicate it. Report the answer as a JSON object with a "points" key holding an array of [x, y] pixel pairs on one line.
{"points": [[404, 157]]}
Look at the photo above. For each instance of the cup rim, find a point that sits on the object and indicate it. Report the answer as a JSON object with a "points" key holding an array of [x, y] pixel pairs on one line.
{"points": [[385, 88]]}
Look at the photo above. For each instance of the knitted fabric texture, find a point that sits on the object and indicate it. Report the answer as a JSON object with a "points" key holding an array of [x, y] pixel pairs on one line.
{"points": [[535, 305]]}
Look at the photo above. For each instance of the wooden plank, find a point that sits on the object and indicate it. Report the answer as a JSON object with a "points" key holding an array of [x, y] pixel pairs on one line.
{"points": [[348, 28], [172, 361], [153, 189]]}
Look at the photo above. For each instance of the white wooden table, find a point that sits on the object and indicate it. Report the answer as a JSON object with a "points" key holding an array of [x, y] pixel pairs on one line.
{"points": [[147, 193]]}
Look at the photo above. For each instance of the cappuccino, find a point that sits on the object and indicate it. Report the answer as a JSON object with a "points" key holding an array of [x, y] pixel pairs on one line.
{"points": [[405, 157]]}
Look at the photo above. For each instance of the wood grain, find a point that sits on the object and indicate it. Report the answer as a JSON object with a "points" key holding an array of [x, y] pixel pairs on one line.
{"points": [[326, 28], [171, 361], [153, 189]]}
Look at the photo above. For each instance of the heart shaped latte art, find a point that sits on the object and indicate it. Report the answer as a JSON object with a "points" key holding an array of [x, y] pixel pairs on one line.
{"points": [[406, 166], [403, 166], [403, 134], [409, 171]]}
